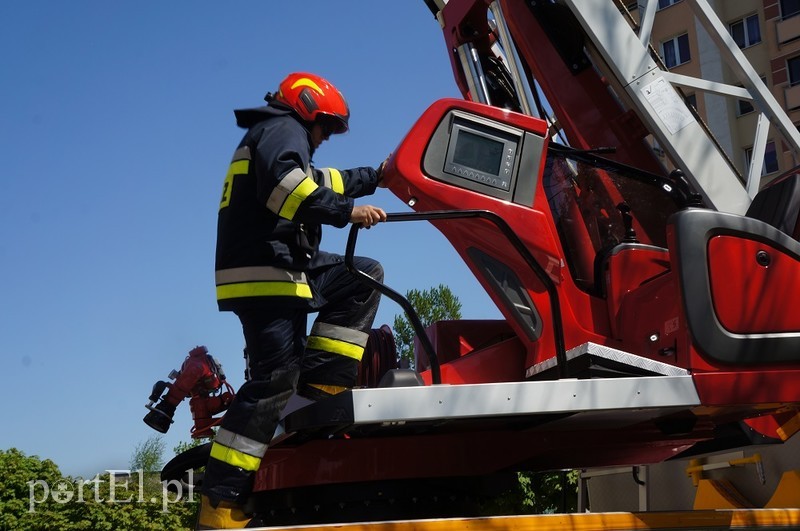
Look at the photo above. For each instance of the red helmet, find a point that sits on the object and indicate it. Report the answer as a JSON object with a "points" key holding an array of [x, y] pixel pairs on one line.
{"points": [[315, 99]]}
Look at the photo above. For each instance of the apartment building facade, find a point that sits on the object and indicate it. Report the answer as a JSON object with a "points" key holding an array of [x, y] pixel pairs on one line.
{"points": [[768, 33]]}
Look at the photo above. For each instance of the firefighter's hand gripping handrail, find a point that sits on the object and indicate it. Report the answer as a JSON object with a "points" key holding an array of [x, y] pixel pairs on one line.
{"points": [[544, 278]]}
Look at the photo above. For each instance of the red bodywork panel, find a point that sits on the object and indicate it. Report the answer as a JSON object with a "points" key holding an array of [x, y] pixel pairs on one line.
{"points": [[750, 283], [458, 454], [627, 270], [532, 223], [473, 352]]}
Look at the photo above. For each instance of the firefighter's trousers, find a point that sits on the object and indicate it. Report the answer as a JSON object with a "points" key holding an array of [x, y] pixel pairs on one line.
{"points": [[282, 359]]}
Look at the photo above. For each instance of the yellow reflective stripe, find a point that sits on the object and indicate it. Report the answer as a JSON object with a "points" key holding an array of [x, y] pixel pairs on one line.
{"points": [[227, 187], [285, 186], [342, 333], [263, 289], [238, 167], [297, 196], [330, 389], [337, 183], [235, 457], [335, 346], [305, 82]]}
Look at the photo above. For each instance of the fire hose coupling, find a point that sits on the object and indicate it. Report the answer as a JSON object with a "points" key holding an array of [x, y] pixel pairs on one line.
{"points": [[160, 416], [199, 377]]}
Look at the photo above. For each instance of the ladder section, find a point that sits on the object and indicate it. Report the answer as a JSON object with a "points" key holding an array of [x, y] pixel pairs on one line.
{"points": [[652, 92]]}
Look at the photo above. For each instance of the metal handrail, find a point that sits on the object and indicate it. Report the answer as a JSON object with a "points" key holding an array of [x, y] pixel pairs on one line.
{"points": [[416, 323]]}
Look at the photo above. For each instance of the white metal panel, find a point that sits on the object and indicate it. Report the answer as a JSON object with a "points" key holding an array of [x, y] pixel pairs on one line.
{"points": [[413, 404], [611, 354]]}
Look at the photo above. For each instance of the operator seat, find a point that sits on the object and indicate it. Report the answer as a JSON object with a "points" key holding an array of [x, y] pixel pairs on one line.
{"points": [[779, 205]]}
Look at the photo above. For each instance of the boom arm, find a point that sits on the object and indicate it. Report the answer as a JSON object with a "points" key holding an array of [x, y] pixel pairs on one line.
{"points": [[606, 87]]}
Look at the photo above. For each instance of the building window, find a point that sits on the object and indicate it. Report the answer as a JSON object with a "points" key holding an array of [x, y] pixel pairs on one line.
{"points": [[770, 158], [691, 101], [666, 3], [746, 32], [746, 106], [793, 68], [789, 8], [676, 51]]}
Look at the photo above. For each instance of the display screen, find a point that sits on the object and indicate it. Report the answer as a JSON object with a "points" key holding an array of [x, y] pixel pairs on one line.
{"points": [[478, 152]]}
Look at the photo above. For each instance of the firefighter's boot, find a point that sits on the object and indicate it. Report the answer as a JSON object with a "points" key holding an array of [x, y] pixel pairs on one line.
{"points": [[225, 515]]}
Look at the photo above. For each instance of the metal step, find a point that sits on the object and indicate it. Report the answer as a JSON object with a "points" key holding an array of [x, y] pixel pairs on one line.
{"points": [[657, 391], [591, 360]]}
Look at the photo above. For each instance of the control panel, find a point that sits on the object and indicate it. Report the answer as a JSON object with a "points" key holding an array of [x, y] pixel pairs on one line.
{"points": [[485, 155]]}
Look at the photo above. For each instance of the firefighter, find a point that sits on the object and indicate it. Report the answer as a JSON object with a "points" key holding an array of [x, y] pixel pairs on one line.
{"points": [[271, 274]]}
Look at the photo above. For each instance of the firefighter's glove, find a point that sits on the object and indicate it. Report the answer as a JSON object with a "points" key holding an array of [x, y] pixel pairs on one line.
{"points": [[381, 181]]}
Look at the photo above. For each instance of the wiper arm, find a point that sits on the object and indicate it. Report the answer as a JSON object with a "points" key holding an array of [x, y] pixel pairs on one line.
{"points": [[676, 185], [593, 151]]}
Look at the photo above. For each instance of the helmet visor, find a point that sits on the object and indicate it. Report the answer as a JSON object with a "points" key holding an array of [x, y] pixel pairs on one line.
{"points": [[332, 125]]}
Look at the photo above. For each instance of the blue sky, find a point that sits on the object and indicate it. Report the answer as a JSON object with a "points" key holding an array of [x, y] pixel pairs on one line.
{"points": [[116, 129]]}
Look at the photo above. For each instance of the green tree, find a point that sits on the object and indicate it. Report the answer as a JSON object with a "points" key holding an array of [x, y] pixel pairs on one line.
{"points": [[148, 455], [23, 480], [191, 506], [34, 495], [549, 492], [192, 443], [536, 493], [146, 462], [435, 304]]}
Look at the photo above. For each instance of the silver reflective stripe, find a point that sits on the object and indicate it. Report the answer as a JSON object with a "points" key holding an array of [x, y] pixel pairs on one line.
{"points": [[332, 178], [284, 189], [259, 274], [355, 337], [326, 177], [240, 442], [243, 153]]}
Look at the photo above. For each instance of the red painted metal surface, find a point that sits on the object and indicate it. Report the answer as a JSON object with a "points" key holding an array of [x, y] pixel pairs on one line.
{"points": [[532, 223], [474, 352], [626, 271], [748, 388], [755, 286], [650, 322], [466, 453]]}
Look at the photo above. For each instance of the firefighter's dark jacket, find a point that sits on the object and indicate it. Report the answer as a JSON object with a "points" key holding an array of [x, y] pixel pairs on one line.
{"points": [[272, 208]]}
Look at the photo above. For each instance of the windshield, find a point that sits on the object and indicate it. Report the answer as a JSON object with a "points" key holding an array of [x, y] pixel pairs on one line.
{"points": [[588, 198]]}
